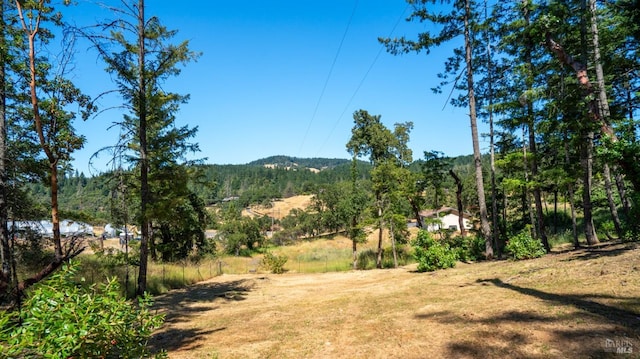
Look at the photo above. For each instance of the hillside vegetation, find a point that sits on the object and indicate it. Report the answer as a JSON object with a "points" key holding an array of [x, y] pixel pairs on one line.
{"points": [[87, 198]]}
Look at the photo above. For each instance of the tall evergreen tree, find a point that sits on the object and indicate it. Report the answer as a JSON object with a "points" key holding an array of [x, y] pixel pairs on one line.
{"points": [[458, 21], [144, 59]]}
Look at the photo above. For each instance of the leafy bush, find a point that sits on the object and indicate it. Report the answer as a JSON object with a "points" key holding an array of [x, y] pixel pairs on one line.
{"points": [[431, 254], [523, 246], [468, 248], [367, 259], [274, 263], [61, 319]]}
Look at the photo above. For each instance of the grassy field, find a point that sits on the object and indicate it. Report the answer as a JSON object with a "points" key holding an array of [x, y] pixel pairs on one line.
{"points": [[573, 304]]}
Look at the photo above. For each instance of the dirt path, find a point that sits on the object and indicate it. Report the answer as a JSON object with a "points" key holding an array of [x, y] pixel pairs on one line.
{"points": [[574, 304]]}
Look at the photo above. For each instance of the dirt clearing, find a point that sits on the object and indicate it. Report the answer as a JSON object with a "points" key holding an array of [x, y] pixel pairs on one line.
{"points": [[575, 304]]}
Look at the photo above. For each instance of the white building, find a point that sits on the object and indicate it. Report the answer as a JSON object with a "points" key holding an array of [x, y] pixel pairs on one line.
{"points": [[444, 218], [68, 228]]}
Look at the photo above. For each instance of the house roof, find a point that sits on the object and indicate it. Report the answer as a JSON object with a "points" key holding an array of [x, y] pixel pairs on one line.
{"points": [[431, 213]]}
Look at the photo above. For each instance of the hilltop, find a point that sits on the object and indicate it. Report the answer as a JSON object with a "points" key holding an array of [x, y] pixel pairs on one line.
{"points": [[282, 161]]}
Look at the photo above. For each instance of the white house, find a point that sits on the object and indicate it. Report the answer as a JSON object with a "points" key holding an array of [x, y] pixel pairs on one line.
{"points": [[448, 219]]}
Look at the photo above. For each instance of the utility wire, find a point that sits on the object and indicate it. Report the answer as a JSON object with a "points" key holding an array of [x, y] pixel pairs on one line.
{"points": [[326, 82], [375, 59]]}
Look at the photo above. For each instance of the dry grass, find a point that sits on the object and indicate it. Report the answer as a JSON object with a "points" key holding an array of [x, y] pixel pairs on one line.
{"points": [[282, 207], [563, 305]]}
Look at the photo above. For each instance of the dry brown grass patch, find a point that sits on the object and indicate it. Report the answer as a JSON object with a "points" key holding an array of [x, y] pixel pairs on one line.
{"points": [[563, 305]]}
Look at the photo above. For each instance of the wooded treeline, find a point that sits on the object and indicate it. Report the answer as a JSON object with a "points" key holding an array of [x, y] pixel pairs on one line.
{"points": [[557, 81]]}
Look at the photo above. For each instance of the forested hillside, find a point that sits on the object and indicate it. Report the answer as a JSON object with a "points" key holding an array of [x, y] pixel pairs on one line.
{"points": [[88, 198]]}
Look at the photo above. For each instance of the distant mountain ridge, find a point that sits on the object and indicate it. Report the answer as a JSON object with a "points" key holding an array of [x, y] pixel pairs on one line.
{"points": [[289, 161]]}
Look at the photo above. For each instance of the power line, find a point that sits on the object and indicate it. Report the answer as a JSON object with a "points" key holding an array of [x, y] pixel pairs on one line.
{"points": [[326, 82], [375, 59]]}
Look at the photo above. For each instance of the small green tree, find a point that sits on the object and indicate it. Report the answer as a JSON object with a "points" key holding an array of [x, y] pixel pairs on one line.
{"points": [[274, 263], [524, 246], [431, 254]]}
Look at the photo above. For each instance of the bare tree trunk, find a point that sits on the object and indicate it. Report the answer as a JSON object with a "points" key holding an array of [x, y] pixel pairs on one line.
{"points": [[380, 225], [555, 211], [354, 248], [587, 164], [393, 246], [526, 205], [416, 213], [32, 30], [5, 248], [537, 196], [494, 192], [463, 230], [612, 205], [603, 106], [571, 194], [574, 221], [477, 156], [144, 161]]}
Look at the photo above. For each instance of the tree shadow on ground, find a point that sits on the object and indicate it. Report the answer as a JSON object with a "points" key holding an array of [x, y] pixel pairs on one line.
{"points": [[509, 334], [179, 305], [608, 312], [175, 339], [609, 249]]}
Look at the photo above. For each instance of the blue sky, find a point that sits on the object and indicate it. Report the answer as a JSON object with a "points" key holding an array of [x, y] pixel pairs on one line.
{"points": [[265, 84]]}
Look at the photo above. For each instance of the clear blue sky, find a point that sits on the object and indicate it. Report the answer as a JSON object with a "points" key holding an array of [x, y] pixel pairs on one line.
{"points": [[259, 87]]}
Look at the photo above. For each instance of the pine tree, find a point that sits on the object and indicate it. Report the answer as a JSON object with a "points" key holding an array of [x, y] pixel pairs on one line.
{"points": [[144, 60]]}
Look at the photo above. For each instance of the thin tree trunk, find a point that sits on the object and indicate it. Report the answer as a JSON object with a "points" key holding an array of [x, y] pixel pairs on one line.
{"points": [[144, 161], [574, 220], [380, 224], [416, 212], [477, 156], [393, 246], [463, 230], [603, 106], [32, 30], [612, 204], [494, 192], [526, 205], [619, 179], [354, 247], [571, 194], [555, 211], [587, 164], [537, 196], [5, 248]]}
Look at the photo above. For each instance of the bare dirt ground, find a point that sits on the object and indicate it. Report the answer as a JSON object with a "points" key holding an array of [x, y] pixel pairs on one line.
{"points": [[573, 304]]}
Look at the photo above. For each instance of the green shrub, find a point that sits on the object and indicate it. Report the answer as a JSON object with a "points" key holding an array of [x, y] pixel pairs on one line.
{"points": [[523, 246], [432, 255], [274, 263], [367, 259], [468, 248], [61, 319], [387, 257]]}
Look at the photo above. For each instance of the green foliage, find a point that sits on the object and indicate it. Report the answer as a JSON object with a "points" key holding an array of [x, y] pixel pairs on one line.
{"points": [[61, 319], [523, 246], [31, 251], [468, 249], [242, 235], [274, 263], [183, 231], [431, 254], [367, 259]]}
